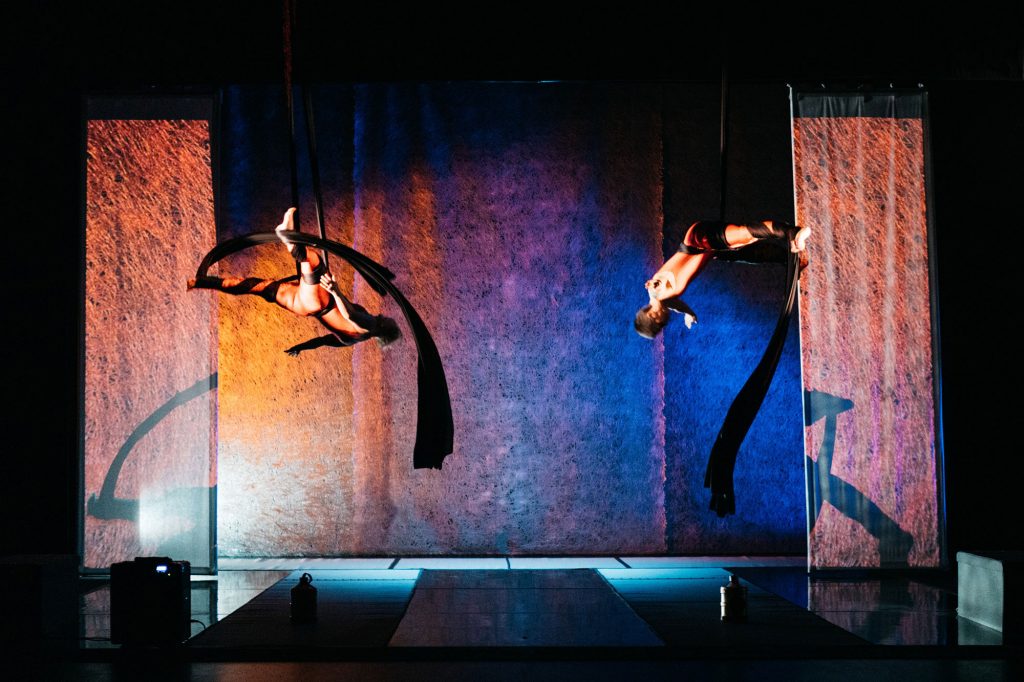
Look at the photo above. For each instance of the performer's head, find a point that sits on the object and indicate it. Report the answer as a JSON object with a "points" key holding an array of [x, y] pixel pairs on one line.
{"points": [[386, 331], [650, 320]]}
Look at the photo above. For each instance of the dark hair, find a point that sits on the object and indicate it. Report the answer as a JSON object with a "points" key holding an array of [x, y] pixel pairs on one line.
{"points": [[387, 331], [647, 326]]}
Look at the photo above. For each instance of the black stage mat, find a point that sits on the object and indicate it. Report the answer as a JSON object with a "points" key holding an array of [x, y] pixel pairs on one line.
{"points": [[503, 608], [354, 609], [472, 609], [684, 607]]}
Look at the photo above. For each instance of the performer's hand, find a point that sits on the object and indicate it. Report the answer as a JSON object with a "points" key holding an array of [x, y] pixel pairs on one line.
{"points": [[328, 282], [660, 286], [293, 352]]}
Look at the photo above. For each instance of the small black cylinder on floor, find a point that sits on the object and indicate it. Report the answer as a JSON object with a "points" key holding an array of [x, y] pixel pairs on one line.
{"points": [[734, 602], [304, 600]]}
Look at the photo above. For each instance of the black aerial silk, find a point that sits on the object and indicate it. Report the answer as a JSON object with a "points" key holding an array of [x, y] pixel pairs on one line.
{"points": [[744, 408], [434, 427]]}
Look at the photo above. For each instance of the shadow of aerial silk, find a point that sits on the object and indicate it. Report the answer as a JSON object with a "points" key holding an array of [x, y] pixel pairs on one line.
{"points": [[866, 331], [894, 543], [107, 505], [177, 520]]}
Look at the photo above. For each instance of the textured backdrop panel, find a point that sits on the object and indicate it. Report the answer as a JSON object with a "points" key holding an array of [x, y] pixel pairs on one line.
{"points": [[867, 346], [520, 219], [149, 210], [285, 428]]}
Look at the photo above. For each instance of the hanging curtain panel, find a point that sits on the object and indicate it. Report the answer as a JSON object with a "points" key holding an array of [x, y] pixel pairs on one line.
{"points": [[149, 359], [285, 472], [521, 220], [867, 329]]}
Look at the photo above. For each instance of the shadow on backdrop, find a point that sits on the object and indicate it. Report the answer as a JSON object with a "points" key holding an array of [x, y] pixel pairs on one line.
{"points": [[894, 543], [172, 504]]}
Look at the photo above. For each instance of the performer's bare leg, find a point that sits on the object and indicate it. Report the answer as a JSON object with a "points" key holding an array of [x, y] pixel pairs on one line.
{"points": [[283, 292], [677, 273], [301, 298], [309, 296]]}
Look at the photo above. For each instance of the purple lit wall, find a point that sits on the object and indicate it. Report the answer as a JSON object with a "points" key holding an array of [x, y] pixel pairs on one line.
{"points": [[522, 221], [866, 332]]}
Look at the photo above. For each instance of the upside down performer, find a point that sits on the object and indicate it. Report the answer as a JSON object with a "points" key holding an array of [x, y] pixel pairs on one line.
{"points": [[317, 294], [726, 241]]}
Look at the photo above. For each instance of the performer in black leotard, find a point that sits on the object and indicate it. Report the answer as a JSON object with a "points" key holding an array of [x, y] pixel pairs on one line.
{"points": [[315, 294], [704, 240]]}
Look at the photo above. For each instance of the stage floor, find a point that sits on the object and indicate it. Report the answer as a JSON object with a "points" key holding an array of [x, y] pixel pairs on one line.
{"points": [[548, 618], [379, 600]]}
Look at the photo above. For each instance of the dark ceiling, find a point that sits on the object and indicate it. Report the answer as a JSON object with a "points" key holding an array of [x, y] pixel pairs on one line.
{"points": [[119, 45]]}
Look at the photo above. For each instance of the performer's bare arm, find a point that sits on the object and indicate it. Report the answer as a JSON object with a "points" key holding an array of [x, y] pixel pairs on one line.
{"points": [[315, 342], [667, 285], [329, 284], [678, 271]]}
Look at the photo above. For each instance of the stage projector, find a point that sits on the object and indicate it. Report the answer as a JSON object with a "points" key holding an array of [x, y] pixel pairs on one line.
{"points": [[150, 601]]}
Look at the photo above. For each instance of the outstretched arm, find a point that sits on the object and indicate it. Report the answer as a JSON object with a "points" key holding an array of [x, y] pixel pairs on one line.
{"points": [[315, 342]]}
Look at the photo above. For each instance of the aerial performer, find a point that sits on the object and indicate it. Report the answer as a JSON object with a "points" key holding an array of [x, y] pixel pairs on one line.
{"points": [[316, 294], [704, 240]]}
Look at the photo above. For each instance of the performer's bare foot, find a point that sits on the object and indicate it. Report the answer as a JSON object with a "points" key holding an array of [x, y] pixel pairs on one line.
{"points": [[796, 235], [287, 225], [799, 242]]}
